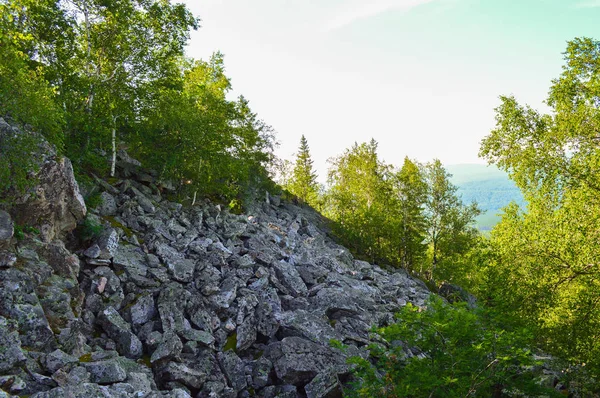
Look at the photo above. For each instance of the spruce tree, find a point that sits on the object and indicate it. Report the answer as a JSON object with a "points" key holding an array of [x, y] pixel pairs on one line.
{"points": [[304, 180]]}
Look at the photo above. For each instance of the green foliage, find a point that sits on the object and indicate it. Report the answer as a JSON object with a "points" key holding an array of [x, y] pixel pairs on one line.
{"points": [[25, 94], [303, 182], [545, 267], [93, 200], [449, 222], [212, 145], [397, 216], [90, 228], [118, 71], [462, 353], [21, 230], [410, 187]]}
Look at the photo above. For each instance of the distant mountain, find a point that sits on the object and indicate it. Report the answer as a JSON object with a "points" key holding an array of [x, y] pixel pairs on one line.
{"points": [[488, 186]]}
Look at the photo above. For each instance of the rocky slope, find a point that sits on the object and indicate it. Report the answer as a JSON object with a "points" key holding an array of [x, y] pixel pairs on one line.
{"points": [[174, 301]]}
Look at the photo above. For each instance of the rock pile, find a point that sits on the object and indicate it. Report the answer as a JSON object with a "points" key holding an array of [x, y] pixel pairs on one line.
{"points": [[176, 302]]}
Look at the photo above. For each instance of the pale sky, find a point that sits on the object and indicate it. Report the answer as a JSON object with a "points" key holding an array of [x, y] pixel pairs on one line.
{"points": [[422, 77]]}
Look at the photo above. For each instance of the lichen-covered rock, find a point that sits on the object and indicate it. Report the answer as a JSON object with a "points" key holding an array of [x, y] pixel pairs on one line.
{"points": [[54, 205], [290, 278], [324, 385], [108, 242], [7, 259], [106, 372], [297, 361], [186, 375], [233, 367], [6, 229], [143, 310], [58, 359], [10, 346], [108, 205], [119, 330], [169, 348]]}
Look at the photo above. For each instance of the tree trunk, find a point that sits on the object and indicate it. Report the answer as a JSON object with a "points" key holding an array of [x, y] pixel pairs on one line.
{"points": [[114, 146]]}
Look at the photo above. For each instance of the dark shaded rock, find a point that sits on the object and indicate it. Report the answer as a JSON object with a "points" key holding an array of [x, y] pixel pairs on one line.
{"points": [[198, 336], [233, 367], [171, 305], [6, 229], [246, 334], [454, 294], [92, 252], [143, 201], [261, 368], [310, 326], [7, 259], [63, 262], [117, 329]]}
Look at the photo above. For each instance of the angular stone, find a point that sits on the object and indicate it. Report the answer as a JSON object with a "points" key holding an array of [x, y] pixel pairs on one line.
{"points": [[143, 201], [7, 259], [143, 310], [117, 329], [288, 275], [261, 368], [63, 262], [233, 367], [297, 361], [108, 242], [182, 270], [199, 336], [92, 252], [246, 334], [106, 372], [58, 359], [108, 207], [179, 372], [324, 385], [6, 228], [10, 346], [169, 348], [57, 205]]}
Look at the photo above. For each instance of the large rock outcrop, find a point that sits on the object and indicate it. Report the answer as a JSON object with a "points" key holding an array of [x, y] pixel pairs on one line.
{"points": [[176, 301], [53, 204]]}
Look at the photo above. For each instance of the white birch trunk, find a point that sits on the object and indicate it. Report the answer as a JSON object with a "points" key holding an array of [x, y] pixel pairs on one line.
{"points": [[114, 146]]}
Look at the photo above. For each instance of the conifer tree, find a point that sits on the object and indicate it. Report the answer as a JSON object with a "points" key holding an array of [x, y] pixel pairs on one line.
{"points": [[304, 180]]}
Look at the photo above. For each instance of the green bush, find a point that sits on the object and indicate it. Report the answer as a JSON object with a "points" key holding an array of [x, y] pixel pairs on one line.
{"points": [[462, 353], [89, 229]]}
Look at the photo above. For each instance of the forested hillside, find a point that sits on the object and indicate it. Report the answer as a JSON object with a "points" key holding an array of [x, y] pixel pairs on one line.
{"points": [[490, 187], [104, 83]]}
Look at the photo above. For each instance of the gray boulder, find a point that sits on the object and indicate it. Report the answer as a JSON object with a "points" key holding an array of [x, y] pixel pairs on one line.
{"points": [[290, 278], [108, 207], [6, 229], [106, 372], [297, 361], [117, 329], [233, 367], [10, 346]]}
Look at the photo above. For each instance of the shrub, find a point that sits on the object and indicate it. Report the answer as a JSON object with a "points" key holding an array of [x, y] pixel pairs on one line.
{"points": [[461, 353]]}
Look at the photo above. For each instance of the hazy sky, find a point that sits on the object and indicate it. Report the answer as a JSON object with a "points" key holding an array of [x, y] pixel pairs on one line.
{"points": [[422, 77]]}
